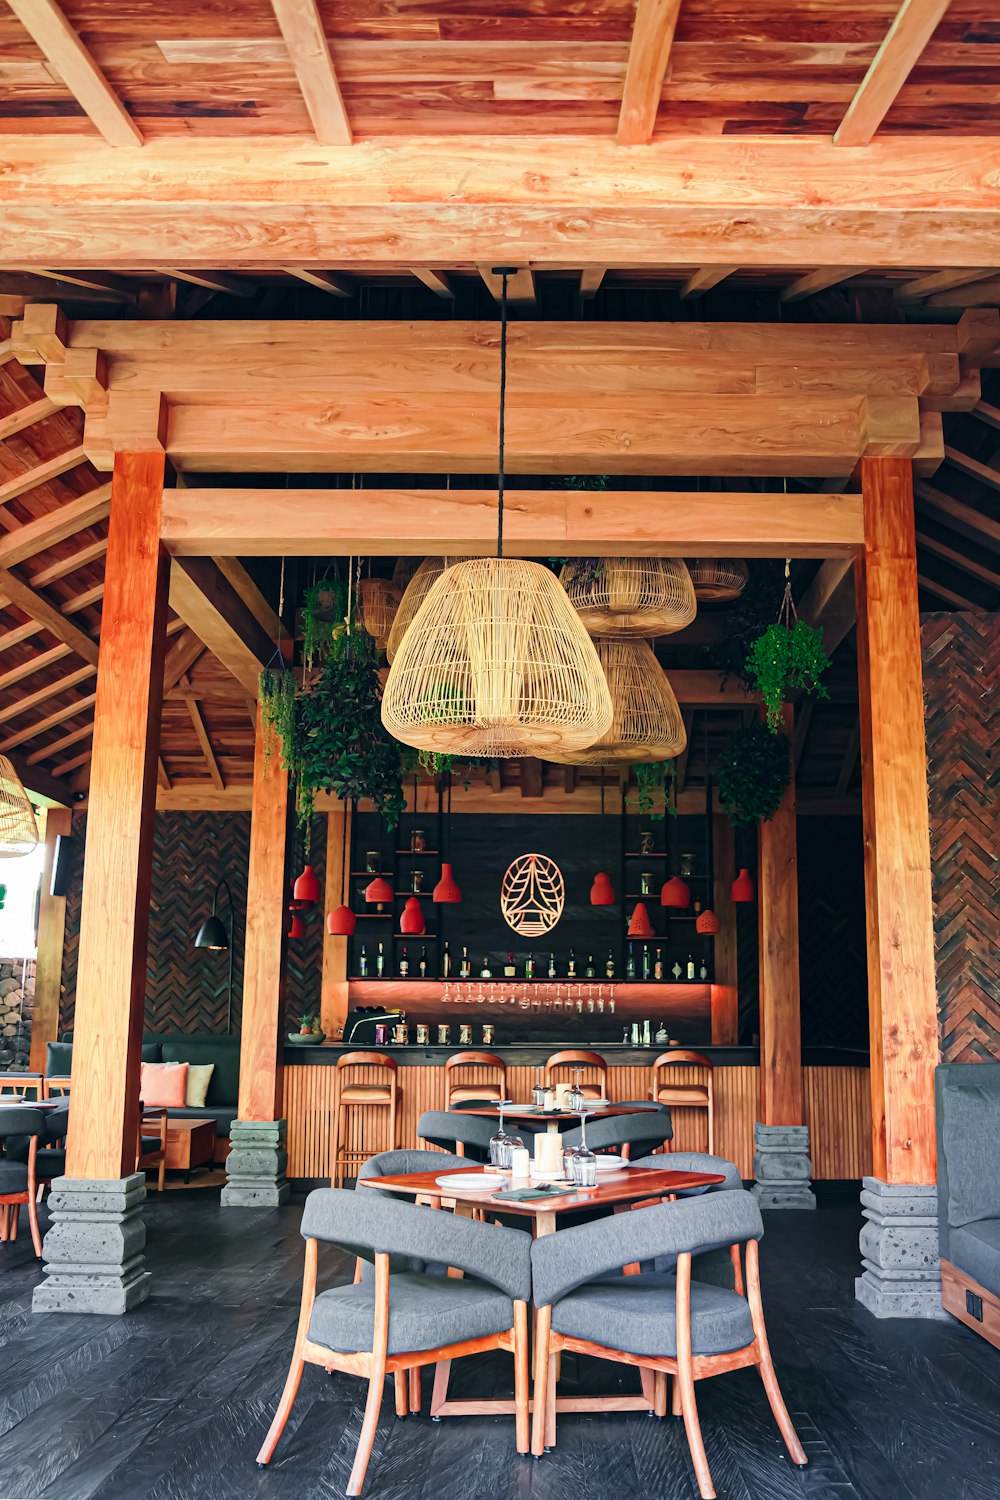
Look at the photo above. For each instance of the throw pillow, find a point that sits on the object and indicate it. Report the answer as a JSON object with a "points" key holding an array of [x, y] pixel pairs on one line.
{"points": [[164, 1084], [197, 1083]]}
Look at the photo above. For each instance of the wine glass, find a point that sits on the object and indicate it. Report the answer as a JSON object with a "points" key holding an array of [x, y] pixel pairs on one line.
{"points": [[538, 1089], [584, 1161], [576, 1099], [502, 1144]]}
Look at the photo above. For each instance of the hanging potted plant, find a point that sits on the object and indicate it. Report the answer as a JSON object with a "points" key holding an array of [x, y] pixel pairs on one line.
{"points": [[787, 658], [652, 780], [276, 689], [753, 773]]}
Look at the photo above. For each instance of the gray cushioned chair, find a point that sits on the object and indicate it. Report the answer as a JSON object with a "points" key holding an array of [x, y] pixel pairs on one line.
{"points": [[716, 1267], [466, 1135], [968, 1126], [668, 1324], [630, 1135], [20, 1126], [406, 1319]]}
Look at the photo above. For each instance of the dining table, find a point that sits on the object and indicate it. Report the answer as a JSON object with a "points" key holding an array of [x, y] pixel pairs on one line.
{"points": [[534, 1116]]}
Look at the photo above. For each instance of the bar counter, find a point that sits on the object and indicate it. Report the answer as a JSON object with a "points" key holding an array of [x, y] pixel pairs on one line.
{"points": [[835, 1082]]}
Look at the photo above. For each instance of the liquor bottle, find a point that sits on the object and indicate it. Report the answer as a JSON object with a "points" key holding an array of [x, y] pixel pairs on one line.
{"points": [[465, 967], [571, 966], [630, 963], [509, 969], [658, 965], [380, 962], [446, 963], [404, 964], [609, 967], [422, 966], [529, 967], [645, 964], [703, 970], [647, 1033], [552, 966], [589, 972], [363, 963], [690, 967], [697, 905], [486, 972]]}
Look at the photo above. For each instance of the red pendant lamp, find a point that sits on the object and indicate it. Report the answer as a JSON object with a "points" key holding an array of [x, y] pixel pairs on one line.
{"points": [[295, 928], [640, 926], [675, 892], [707, 923], [602, 892], [412, 919], [378, 891], [342, 921], [743, 888], [447, 891], [306, 888]]}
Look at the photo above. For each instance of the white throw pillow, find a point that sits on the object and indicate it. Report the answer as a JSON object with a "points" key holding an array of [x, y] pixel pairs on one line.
{"points": [[197, 1084]]}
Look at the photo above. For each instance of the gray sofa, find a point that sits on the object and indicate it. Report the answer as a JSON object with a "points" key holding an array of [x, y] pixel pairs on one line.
{"points": [[968, 1145]]}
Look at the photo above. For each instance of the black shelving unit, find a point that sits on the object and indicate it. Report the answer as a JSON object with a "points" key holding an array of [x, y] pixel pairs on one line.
{"points": [[396, 863]]}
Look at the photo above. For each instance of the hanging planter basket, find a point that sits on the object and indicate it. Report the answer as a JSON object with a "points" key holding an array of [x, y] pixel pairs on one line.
{"points": [[718, 579], [379, 605], [18, 829], [647, 725], [416, 591], [642, 596]]}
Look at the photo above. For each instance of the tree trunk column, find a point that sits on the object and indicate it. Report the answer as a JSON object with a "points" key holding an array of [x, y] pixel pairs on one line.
{"points": [[94, 1249], [781, 1162], [257, 1160], [899, 1243]]}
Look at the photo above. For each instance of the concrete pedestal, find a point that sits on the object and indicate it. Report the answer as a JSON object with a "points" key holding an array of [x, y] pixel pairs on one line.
{"points": [[899, 1251], [94, 1260], [781, 1166], [255, 1166]]}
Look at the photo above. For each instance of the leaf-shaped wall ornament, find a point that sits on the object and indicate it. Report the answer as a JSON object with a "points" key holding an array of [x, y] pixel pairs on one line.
{"points": [[532, 895]]}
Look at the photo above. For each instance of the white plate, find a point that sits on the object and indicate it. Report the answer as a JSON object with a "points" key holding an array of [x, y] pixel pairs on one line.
{"points": [[474, 1181], [598, 1103], [611, 1164]]}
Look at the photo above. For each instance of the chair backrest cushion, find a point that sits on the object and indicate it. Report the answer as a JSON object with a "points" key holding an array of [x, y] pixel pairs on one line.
{"points": [[643, 1131], [21, 1119], [968, 1098], [696, 1161], [446, 1126], [404, 1161]]}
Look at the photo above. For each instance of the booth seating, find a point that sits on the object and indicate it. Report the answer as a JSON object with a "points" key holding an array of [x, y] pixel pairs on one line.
{"points": [[968, 1133]]}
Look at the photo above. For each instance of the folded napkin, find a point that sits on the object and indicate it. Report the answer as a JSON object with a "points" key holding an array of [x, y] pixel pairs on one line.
{"points": [[522, 1195]]}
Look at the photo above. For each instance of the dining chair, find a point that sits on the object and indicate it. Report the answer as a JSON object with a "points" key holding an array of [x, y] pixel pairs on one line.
{"points": [[151, 1144], [18, 1182], [29, 1086], [50, 1151], [575, 1057], [669, 1324], [466, 1135], [58, 1087], [400, 1320], [721, 1267], [629, 1135]]}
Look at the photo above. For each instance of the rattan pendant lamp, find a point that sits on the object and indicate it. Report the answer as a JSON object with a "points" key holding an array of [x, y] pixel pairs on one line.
{"points": [[380, 600], [416, 591], [496, 662], [18, 829], [717, 579], [648, 724], [642, 596]]}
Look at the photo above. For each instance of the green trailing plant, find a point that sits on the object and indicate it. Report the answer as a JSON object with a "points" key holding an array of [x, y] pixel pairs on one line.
{"points": [[752, 774], [652, 780], [747, 618], [277, 690], [324, 606], [784, 660]]}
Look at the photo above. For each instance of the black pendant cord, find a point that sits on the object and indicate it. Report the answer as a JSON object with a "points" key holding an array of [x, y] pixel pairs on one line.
{"points": [[504, 273]]}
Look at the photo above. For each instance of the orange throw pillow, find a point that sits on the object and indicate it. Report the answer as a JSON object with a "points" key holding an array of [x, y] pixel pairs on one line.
{"points": [[163, 1083]]}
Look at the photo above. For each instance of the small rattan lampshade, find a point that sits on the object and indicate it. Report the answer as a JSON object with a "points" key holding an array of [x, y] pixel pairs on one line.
{"points": [[18, 829], [496, 663], [717, 579], [647, 723], [379, 603], [631, 595], [414, 594]]}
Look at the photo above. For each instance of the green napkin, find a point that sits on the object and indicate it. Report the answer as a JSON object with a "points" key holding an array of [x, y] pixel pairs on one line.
{"points": [[522, 1195]]}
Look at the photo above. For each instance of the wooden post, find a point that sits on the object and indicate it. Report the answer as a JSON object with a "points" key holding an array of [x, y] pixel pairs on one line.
{"points": [[899, 912], [256, 1163], [781, 1162], [724, 862], [333, 1001], [51, 935], [94, 1249]]}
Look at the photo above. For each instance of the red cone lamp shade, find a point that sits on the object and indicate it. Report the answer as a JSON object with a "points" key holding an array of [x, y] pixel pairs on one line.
{"points": [[295, 928], [341, 922], [602, 892], [640, 925], [707, 923], [743, 891], [447, 891], [675, 892], [378, 891], [306, 888], [412, 920]]}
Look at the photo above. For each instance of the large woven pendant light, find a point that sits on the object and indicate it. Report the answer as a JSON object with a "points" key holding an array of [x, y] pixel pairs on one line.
{"points": [[416, 591], [380, 602], [647, 724], [496, 661], [644, 596], [717, 579], [18, 829]]}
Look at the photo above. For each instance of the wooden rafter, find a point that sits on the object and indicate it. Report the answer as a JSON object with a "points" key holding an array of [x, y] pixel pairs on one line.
{"points": [[92, 552], [828, 604], [49, 468], [987, 413], [936, 281], [212, 281], [983, 529], [236, 574], [958, 559], [520, 285], [803, 723], [950, 596], [216, 614], [302, 28], [50, 30], [110, 288], [850, 759], [202, 736], [591, 278], [648, 55], [703, 280], [47, 615], [55, 526], [972, 466], [26, 416], [437, 282], [911, 30], [818, 281], [323, 280], [44, 695]]}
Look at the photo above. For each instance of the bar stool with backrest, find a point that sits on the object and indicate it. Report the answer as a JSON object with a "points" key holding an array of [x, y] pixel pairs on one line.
{"points": [[26, 1085], [685, 1095], [352, 1099], [575, 1058], [464, 1093]]}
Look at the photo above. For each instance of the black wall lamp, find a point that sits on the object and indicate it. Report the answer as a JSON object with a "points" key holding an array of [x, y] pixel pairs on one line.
{"points": [[218, 938]]}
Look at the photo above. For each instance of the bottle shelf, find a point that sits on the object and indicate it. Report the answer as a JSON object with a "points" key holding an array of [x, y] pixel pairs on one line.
{"points": [[425, 895], [370, 874], [419, 853]]}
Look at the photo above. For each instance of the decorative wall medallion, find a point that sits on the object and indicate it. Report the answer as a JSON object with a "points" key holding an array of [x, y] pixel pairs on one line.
{"points": [[532, 895]]}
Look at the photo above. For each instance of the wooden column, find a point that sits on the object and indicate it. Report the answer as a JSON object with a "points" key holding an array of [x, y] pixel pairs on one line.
{"points": [[51, 935], [262, 1025], [111, 977], [333, 1001], [901, 988], [778, 928], [724, 861]]}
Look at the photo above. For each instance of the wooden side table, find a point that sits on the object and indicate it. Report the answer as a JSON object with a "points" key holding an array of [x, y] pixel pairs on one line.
{"points": [[190, 1144]]}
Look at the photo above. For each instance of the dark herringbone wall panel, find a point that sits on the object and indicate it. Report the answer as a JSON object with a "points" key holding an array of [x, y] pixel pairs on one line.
{"points": [[187, 987], [833, 958], [961, 654]]}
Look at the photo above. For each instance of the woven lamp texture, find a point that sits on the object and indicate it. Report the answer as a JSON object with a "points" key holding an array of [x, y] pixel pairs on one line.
{"points": [[716, 579], [643, 596], [496, 663], [380, 600], [414, 594], [18, 829], [647, 724]]}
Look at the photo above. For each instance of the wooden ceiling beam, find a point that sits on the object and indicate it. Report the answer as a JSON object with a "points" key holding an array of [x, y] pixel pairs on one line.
{"points": [[26, 416], [39, 608], [828, 603], [965, 519], [911, 30], [246, 522], [950, 596], [987, 413], [109, 288], [703, 280], [44, 695], [33, 664], [205, 744], [959, 560], [648, 55], [49, 468], [69, 58], [236, 574], [972, 466], [302, 28], [59, 568], [936, 281], [55, 526], [212, 281], [521, 291], [590, 281], [322, 280], [979, 293], [437, 282], [38, 783], [818, 281], [215, 613], [180, 659], [850, 759]]}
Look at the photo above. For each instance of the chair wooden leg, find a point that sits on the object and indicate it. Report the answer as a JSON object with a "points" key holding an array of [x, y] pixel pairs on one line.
{"points": [[521, 1412], [15, 1219], [543, 1322], [285, 1405], [416, 1393], [711, 1128], [36, 1233], [335, 1144], [439, 1390], [399, 1382], [161, 1175], [660, 1392], [685, 1378], [550, 1404], [675, 1398], [4, 1222], [392, 1119], [366, 1442], [767, 1371], [648, 1379]]}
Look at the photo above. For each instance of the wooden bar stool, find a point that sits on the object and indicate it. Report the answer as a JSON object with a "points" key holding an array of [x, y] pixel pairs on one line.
{"points": [[574, 1058], [461, 1093], [685, 1095], [383, 1093]]}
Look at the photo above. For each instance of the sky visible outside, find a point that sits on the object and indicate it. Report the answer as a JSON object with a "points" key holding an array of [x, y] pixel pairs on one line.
{"points": [[22, 877]]}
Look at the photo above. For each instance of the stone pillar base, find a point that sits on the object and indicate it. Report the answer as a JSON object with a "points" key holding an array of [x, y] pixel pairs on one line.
{"points": [[94, 1261], [255, 1166], [899, 1251], [782, 1167]]}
